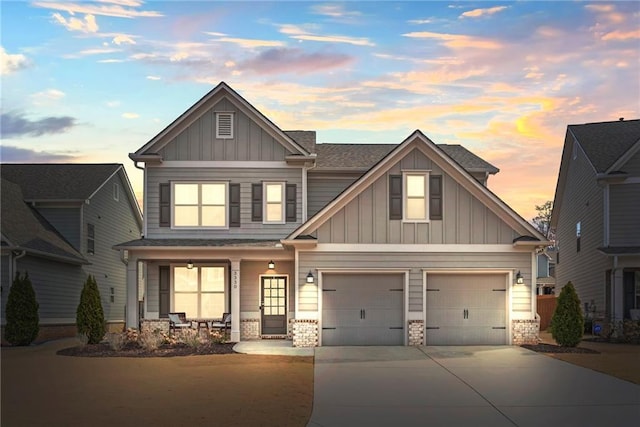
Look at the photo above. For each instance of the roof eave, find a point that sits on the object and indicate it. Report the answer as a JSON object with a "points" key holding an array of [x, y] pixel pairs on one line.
{"points": [[146, 158]]}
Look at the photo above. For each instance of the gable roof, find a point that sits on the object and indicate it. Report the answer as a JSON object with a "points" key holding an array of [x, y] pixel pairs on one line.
{"points": [[56, 181], [23, 228], [222, 90], [305, 138], [364, 156], [438, 155], [605, 142], [606, 145]]}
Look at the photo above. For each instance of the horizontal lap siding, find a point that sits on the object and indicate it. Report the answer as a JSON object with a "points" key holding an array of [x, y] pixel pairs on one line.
{"points": [[624, 202], [322, 189], [66, 221], [198, 142], [415, 263], [250, 272], [465, 219], [245, 177]]}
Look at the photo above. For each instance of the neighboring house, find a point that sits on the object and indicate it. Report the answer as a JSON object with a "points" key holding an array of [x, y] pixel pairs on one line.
{"points": [[546, 281], [59, 223], [328, 244], [596, 216]]}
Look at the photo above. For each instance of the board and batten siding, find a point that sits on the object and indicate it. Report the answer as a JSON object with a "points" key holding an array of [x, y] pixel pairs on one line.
{"points": [[57, 286], [582, 201], [114, 222], [250, 272], [415, 263], [67, 222], [365, 219], [624, 214], [198, 141], [245, 177], [323, 188]]}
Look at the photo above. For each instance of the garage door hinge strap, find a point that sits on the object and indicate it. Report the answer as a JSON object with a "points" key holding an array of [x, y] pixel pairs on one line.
{"points": [[396, 327], [328, 290], [499, 290], [432, 327], [499, 327], [433, 290], [396, 290], [327, 328]]}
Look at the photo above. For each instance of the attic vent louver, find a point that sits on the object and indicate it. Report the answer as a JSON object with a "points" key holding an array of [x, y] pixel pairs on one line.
{"points": [[224, 125]]}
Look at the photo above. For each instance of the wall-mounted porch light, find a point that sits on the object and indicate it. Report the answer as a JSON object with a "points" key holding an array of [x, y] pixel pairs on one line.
{"points": [[310, 277], [519, 279], [189, 264], [271, 265]]}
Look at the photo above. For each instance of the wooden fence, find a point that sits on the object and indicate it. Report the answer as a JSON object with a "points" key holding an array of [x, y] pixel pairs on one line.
{"points": [[546, 307]]}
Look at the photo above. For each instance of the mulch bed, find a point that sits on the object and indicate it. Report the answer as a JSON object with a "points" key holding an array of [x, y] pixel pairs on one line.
{"points": [[104, 350], [551, 348]]}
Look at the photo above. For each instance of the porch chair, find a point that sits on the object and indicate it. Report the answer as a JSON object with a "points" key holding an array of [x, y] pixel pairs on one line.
{"points": [[178, 320], [224, 324]]}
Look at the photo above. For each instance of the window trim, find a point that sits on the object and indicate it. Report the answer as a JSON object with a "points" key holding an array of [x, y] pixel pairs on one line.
{"points": [[405, 195], [91, 238], [265, 202], [219, 115], [172, 290], [199, 226]]}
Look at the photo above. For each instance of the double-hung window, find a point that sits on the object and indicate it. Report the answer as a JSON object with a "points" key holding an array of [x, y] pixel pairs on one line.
{"points": [[200, 204], [274, 198], [415, 199], [199, 291]]}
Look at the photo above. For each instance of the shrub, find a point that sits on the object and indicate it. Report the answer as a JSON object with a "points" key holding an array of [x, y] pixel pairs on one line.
{"points": [[150, 341], [217, 337], [89, 315], [567, 322], [21, 312], [190, 337], [116, 340]]}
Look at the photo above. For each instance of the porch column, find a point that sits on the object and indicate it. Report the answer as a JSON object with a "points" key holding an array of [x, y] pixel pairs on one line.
{"points": [[132, 293], [617, 285], [235, 300]]}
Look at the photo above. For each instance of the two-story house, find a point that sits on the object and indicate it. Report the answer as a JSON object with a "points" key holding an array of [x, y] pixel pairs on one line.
{"points": [[59, 223], [596, 216], [329, 244]]}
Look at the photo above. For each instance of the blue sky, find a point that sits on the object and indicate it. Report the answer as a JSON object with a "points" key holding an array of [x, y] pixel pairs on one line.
{"points": [[94, 81]]}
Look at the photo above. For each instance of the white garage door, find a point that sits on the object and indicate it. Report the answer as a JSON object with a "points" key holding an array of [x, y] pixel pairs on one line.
{"points": [[466, 309], [362, 309]]}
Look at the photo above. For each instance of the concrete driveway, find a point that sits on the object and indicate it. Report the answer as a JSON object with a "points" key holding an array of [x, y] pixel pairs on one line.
{"points": [[463, 386]]}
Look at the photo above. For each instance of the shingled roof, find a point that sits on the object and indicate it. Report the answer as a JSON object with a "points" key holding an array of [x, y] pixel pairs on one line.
{"points": [[57, 181], [24, 228], [364, 156], [606, 142]]}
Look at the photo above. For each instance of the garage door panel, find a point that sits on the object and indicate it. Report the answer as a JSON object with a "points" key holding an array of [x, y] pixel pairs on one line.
{"points": [[362, 309], [466, 309]]}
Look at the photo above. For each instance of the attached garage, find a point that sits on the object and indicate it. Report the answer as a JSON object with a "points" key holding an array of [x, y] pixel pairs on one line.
{"points": [[466, 309], [362, 309]]}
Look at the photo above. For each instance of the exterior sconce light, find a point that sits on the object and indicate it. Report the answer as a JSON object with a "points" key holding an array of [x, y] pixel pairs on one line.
{"points": [[310, 277], [189, 264], [519, 279], [271, 265]]}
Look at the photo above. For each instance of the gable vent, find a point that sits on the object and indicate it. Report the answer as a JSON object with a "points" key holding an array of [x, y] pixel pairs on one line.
{"points": [[224, 125]]}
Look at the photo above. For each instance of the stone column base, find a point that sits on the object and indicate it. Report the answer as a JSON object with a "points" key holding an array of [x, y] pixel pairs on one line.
{"points": [[305, 332], [525, 331], [416, 332], [249, 329]]}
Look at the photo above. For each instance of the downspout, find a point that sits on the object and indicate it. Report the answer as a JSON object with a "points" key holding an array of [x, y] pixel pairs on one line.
{"points": [[144, 201], [613, 288], [16, 255], [305, 190]]}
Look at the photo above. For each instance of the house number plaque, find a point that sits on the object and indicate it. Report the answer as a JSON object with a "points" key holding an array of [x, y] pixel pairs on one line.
{"points": [[234, 278]]}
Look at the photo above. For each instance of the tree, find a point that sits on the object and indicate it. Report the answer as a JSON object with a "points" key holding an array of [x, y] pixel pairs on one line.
{"points": [[21, 312], [542, 221], [89, 315], [567, 322]]}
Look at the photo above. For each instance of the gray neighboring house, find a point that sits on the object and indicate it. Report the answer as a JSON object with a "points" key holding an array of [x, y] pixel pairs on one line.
{"points": [[327, 244], [59, 222], [596, 217]]}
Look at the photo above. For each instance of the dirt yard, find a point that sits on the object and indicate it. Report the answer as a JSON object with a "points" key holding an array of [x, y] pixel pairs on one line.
{"points": [[41, 388]]}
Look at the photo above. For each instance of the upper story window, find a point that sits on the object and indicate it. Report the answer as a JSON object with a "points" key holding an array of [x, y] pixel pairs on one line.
{"points": [[91, 239], [578, 233], [273, 202], [415, 196], [224, 125], [415, 201], [201, 204], [116, 192]]}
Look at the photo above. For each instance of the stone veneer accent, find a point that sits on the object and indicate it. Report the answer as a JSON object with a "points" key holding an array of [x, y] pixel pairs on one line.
{"points": [[525, 331], [150, 325], [249, 329], [305, 332], [416, 332]]}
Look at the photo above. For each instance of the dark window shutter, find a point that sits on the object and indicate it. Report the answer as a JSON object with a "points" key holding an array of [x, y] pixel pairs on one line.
{"points": [[291, 206], [234, 205], [435, 197], [164, 290], [395, 196], [256, 202], [165, 205]]}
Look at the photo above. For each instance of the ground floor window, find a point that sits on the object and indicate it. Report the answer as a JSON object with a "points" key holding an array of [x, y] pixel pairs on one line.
{"points": [[199, 291]]}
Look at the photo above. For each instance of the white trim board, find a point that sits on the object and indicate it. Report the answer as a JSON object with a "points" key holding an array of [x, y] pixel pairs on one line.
{"points": [[384, 247]]}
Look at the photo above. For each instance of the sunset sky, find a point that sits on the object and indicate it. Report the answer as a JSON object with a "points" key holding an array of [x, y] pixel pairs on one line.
{"points": [[94, 81]]}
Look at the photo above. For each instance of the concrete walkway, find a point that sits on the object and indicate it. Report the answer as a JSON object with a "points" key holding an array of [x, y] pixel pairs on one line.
{"points": [[463, 386], [272, 347]]}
